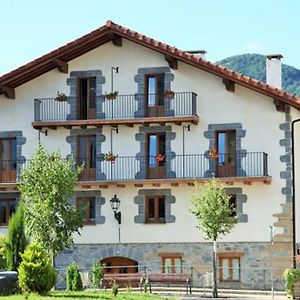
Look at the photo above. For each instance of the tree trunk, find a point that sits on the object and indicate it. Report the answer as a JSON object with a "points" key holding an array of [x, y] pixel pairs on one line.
{"points": [[215, 287]]}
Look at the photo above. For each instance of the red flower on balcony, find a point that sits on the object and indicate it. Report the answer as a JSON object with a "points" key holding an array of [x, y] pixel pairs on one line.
{"points": [[110, 157], [160, 158], [212, 153], [111, 96]]}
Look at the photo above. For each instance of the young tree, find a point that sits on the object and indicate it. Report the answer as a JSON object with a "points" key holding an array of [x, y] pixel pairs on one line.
{"points": [[3, 243], [46, 188], [212, 208], [16, 240]]}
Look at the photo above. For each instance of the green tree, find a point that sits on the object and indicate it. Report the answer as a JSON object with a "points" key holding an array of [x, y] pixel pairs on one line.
{"points": [[36, 274], [97, 273], [213, 210], [73, 278], [16, 239], [46, 188]]}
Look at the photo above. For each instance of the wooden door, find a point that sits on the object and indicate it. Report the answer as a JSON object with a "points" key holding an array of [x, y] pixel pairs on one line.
{"points": [[86, 100], [154, 92], [156, 155], [226, 147], [86, 155], [8, 160], [119, 264]]}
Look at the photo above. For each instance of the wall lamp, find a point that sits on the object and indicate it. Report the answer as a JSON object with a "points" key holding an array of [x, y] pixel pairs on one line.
{"points": [[115, 204]]}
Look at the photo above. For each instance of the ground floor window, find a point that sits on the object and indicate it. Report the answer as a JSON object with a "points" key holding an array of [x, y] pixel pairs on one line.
{"points": [[88, 209], [7, 208], [155, 209], [229, 267], [171, 262]]}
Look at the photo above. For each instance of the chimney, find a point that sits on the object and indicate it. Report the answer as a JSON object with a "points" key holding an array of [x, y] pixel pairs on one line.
{"points": [[273, 70], [197, 53]]}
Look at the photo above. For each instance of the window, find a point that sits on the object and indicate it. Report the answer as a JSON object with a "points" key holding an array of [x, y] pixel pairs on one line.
{"points": [[86, 154], [225, 144], [88, 209], [229, 266], [8, 159], [171, 262], [232, 202], [155, 89], [155, 209], [7, 208], [156, 146], [86, 98]]}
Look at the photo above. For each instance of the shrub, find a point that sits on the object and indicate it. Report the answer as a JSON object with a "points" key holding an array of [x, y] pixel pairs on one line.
{"points": [[97, 274], [74, 282], [36, 273], [16, 240], [115, 289], [291, 276], [3, 241]]}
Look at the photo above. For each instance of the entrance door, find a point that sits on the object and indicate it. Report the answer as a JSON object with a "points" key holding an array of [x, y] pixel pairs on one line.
{"points": [[156, 156], [120, 265], [8, 160], [86, 100], [154, 95], [226, 145], [86, 155]]}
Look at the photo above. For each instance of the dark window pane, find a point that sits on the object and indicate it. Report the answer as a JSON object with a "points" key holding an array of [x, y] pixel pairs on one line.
{"points": [[161, 208], [151, 208], [162, 144], [12, 207], [92, 92], [161, 89], [92, 151], [3, 211], [82, 149], [231, 146], [92, 209], [14, 152], [232, 202]]}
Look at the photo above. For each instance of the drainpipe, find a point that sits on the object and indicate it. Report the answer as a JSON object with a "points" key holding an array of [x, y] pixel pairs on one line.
{"points": [[294, 197]]}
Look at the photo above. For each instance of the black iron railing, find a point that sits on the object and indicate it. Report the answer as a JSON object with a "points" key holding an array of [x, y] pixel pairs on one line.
{"points": [[189, 166], [122, 107]]}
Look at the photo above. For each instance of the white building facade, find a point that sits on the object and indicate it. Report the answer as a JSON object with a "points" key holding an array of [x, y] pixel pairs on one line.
{"points": [[161, 142]]}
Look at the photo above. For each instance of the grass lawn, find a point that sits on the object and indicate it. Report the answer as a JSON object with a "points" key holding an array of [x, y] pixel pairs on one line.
{"points": [[58, 295]]}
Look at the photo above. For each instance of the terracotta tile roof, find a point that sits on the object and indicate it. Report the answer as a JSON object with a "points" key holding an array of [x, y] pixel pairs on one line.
{"points": [[103, 35]]}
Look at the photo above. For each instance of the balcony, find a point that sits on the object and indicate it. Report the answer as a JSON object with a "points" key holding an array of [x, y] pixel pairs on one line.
{"points": [[124, 109], [243, 168]]}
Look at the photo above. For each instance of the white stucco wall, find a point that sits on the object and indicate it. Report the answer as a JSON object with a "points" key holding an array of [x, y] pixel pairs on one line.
{"points": [[215, 105]]}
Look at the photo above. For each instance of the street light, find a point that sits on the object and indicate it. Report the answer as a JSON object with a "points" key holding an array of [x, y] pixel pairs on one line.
{"points": [[115, 204]]}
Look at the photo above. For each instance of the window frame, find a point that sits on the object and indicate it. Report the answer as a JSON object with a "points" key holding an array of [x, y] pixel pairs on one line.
{"points": [[172, 256], [7, 208], [230, 256], [156, 219], [87, 209]]}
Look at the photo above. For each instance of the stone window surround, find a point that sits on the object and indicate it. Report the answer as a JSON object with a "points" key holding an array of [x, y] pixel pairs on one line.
{"points": [[240, 133], [99, 201], [142, 138], [240, 200], [139, 78], [100, 138], [72, 81], [140, 200]]}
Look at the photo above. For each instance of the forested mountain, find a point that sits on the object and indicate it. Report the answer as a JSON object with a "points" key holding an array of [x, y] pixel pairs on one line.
{"points": [[254, 65]]}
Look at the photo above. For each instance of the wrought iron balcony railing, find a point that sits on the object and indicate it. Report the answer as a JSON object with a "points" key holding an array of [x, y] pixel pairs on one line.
{"points": [[189, 166], [122, 107]]}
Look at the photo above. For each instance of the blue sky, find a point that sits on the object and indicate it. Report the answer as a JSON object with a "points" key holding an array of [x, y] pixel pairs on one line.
{"points": [[30, 28]]}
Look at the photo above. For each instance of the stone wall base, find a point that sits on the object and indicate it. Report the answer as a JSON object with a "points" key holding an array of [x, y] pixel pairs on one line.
{"points": [[255, 260]]}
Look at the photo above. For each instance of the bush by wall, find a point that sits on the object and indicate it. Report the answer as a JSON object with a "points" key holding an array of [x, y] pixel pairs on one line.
{"points": [[97, 273], [291, 276], [74, 282], [36, 273]]}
